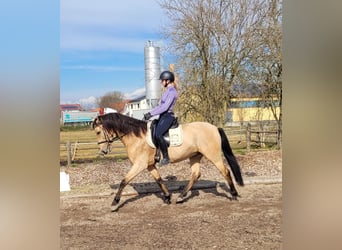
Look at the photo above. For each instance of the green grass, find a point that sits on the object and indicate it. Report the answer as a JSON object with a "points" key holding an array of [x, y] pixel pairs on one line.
{"points": [[75, 128], [77, 135]]}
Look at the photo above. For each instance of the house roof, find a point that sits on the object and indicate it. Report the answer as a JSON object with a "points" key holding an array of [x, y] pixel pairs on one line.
{"points": [[65, 107], [138, 99]]}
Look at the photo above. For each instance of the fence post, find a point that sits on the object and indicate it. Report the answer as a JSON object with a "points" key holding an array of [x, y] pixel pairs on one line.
{"points": [[68, 146], [74, 154], [279, 139], [248, 137]]}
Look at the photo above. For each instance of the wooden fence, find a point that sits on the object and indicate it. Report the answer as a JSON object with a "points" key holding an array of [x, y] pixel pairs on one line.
{"points": [[261, 136], [85, 151], [240, 137]]}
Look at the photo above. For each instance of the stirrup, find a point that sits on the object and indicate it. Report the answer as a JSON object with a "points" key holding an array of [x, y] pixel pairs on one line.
{"points": [[157, 155], [164, 162]]}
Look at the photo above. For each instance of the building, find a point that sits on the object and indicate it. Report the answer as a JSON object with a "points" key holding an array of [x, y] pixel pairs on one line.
{"points": [[71, 114], [69, 107], [243, 110], [137, 107]]}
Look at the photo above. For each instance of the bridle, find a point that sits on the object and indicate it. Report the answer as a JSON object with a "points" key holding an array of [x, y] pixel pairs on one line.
{"points": [[109, 140]]}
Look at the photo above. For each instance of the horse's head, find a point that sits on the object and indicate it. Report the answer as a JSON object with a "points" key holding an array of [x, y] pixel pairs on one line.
{"points": [[103, 136]]}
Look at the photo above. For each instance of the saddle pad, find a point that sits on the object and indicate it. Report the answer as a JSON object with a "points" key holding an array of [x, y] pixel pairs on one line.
{"points": [[175, 134], [149, 136]]}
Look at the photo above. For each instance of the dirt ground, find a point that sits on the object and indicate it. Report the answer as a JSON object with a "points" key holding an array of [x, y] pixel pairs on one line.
{"points": [[208, 219]]}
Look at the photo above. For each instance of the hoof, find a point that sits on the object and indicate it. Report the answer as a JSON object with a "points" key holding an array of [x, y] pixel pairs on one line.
{"points": [[115, 206], [234, 194], [234, 198], [167, 199], [164, 162], [181, 198]]}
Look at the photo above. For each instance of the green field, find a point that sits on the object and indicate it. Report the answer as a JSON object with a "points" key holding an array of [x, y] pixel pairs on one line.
{"points": [[83, 140], [80, 135]]}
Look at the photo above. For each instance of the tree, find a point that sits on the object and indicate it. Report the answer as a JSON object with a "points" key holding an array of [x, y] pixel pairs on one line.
{"points": [[268, 65], [114, 100], [273, 93], [214, 42]]}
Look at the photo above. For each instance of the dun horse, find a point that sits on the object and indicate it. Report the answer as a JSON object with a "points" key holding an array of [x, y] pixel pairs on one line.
{"points": [[199, 139]]}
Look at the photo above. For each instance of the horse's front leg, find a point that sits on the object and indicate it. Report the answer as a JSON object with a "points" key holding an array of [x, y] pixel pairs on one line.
{"points": [[117, 197], [155, 174], [133, 172]]}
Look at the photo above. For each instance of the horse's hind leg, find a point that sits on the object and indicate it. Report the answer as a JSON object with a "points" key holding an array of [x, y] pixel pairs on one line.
{"points": [[226, 174], [155, 174], [195, 175]]}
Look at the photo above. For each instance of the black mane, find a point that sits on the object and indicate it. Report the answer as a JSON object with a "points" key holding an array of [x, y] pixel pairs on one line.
{"points": [[123, 124]]}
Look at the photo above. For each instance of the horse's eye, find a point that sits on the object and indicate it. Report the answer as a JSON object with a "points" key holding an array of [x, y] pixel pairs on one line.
{"points": [[98, 132]]}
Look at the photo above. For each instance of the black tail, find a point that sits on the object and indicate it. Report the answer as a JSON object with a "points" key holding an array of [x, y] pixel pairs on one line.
{"points": [[228, 153]]}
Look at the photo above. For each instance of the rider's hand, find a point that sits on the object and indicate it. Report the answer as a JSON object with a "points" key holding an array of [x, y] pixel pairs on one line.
{"points": [[147, 116]]}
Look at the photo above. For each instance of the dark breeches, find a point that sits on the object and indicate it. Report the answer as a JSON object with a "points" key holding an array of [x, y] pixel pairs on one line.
{"points": [[164, 123]]}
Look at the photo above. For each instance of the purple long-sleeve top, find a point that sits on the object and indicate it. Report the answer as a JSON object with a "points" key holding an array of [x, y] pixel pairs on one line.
{"points": [[167, 101]]}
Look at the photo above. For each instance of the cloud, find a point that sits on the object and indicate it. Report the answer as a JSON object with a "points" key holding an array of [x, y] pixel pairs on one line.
{"points": [[106, 24], [136, 93], [128, 13], [106, 41], [102, 68], [88, 103], [91, 101]]}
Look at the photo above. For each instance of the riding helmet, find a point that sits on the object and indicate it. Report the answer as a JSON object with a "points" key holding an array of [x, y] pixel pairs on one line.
{"points": [[167, 75]]}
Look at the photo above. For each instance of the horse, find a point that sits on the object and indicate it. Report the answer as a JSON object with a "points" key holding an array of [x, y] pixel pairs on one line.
{"points": [[199, 139]]}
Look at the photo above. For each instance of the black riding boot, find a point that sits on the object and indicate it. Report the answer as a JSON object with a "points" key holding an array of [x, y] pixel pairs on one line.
{"points": [[163, 149]]}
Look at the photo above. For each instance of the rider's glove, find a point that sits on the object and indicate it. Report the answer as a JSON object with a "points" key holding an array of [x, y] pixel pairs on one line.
{"points": [[147, 116]]}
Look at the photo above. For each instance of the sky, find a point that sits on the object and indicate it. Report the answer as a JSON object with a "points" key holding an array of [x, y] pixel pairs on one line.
{"points": [[102, 47]]}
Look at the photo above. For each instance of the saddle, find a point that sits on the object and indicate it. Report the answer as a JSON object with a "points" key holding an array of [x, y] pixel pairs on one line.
{"points": [[173, 137]]}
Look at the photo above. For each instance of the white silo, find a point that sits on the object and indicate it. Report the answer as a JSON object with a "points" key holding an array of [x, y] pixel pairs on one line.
{"points": [[152, 73]]}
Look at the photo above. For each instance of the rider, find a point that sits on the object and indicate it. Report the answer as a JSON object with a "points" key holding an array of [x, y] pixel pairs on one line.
{"points": [[165, 112]]}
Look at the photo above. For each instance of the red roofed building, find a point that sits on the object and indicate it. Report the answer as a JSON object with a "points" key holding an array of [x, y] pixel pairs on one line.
{"points": [[69, 107]]}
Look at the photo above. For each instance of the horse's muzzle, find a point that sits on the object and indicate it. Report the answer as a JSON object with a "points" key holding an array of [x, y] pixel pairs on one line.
{"points": [[103, 152]]}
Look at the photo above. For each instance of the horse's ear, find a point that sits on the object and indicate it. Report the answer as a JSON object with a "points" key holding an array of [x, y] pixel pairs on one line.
{"points": [[93, 123], [96, 122]]}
